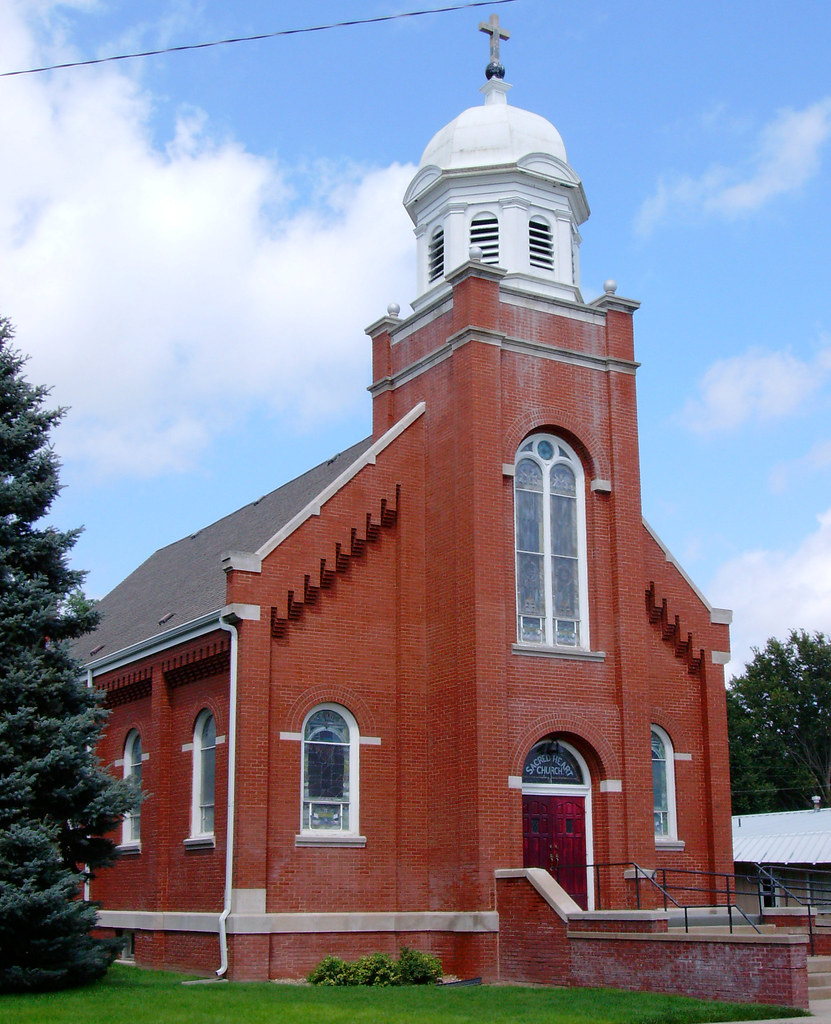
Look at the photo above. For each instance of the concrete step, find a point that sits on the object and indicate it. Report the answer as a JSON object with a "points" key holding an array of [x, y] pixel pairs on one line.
{"points": [[708, 917], [819, 977], [718, 931]]}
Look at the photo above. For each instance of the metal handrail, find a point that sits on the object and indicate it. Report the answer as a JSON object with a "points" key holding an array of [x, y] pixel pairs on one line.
{"points": [[639, 871], [668, 898], [764, 871], [734, 906]]}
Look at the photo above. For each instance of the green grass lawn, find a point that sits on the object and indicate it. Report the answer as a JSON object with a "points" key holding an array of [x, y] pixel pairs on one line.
{"points": [[156, 997]]}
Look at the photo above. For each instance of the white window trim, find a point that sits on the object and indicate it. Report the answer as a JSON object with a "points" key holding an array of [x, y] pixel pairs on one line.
{"points": [[671, 838], [198, 837], [129, 842], [582, 554], [325, 837]]}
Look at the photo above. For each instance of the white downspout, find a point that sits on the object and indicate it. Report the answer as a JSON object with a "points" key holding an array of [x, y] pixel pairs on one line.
{"points": [[232, 774], [90, 684]]}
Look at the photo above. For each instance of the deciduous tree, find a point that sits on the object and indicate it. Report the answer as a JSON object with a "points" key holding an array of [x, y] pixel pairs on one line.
{"points": [[779, 719]]}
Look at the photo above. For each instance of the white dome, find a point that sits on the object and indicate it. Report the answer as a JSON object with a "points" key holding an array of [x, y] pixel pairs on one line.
{"points": [[497, 179], [491, 134]]}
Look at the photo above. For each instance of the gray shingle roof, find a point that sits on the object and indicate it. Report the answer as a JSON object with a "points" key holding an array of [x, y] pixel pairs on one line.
{"points": [[186, 578]]}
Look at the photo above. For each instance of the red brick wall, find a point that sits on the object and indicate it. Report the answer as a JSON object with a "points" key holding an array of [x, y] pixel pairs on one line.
{"points": [[190, 952], [294, 956], [535, 945], [740, 971], [618, 925], [415, 638], [481, 401], [165, 875]]}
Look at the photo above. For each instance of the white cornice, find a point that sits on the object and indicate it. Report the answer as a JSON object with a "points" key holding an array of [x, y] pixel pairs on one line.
{"points": [[173, 637], [161, 641], [475, 921], [518, 345]]}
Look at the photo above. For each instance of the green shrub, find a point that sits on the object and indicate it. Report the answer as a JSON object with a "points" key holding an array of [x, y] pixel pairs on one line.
{"points": [[375, 969], [418, 968], [412, 968], [331, 971]]}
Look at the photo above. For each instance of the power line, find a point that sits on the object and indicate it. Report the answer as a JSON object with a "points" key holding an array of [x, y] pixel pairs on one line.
{"points": [[264, 35], [775, 788]]}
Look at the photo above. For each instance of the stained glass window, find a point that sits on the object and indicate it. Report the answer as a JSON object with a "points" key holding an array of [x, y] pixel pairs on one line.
{"points": [[550, 566], [550, 763], [131, 830], [327, 761], [663, 785], [203, 783]]}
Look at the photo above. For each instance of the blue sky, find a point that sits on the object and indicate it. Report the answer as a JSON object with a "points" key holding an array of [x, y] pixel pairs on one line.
{"points": [[192, 244]]}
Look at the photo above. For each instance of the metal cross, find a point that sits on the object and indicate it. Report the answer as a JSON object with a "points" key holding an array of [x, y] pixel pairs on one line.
{"points": [[496, 33]]}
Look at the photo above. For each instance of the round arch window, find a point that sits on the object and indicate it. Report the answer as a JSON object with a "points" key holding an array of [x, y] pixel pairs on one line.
{"points": [[551, 763]]}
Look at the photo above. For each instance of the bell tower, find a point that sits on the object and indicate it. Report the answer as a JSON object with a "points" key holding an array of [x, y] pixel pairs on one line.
{"points": [[495, 185], [506, 363]]}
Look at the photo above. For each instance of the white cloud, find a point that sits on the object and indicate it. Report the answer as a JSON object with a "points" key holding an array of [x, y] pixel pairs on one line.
{"points": [[772, 592], [164, 290], [754, 387], [787, 155], [784, 473]]}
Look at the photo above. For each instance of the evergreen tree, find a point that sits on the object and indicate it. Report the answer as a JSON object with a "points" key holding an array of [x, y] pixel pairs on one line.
{"points": [[779, 723], [56, 801]]}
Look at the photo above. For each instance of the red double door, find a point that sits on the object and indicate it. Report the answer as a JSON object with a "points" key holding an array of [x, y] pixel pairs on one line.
{"points": [[554, 838]]}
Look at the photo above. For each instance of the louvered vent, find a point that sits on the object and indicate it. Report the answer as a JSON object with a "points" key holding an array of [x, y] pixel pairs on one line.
{"points": [[484, 232], [541, 244], [435, 256]]}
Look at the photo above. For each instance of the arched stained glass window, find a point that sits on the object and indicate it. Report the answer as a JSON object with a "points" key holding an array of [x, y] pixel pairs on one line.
{"points": [[330, 766], [552, 764], [550, 544], [663, 785], [131, 827], [204, 775]]}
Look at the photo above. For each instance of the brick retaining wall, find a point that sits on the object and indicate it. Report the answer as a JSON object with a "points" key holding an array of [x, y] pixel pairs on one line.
{"points": [[537, 945]]}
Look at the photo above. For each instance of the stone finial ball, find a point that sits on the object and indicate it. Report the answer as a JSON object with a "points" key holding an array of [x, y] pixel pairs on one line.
{"points": [[393, 309], [610, 286], [475, 253]]}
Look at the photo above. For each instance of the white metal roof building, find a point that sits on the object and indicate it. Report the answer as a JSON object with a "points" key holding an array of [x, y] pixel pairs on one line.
{"points": [[783, 837]]}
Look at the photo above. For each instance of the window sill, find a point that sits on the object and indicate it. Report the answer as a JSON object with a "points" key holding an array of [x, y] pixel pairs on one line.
{"points": [[330, 840], [199, 843], [128, 849], [670, 844], [569, 653]]}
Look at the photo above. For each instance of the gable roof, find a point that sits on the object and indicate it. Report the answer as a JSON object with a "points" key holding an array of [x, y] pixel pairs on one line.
{"points": [[186, 580]]}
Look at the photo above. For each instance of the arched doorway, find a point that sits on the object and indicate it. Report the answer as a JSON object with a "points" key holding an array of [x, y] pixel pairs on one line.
{"points": [[556, 816]]}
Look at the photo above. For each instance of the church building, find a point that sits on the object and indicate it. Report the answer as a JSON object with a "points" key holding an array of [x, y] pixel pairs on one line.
{"points": [[450, 661]]}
